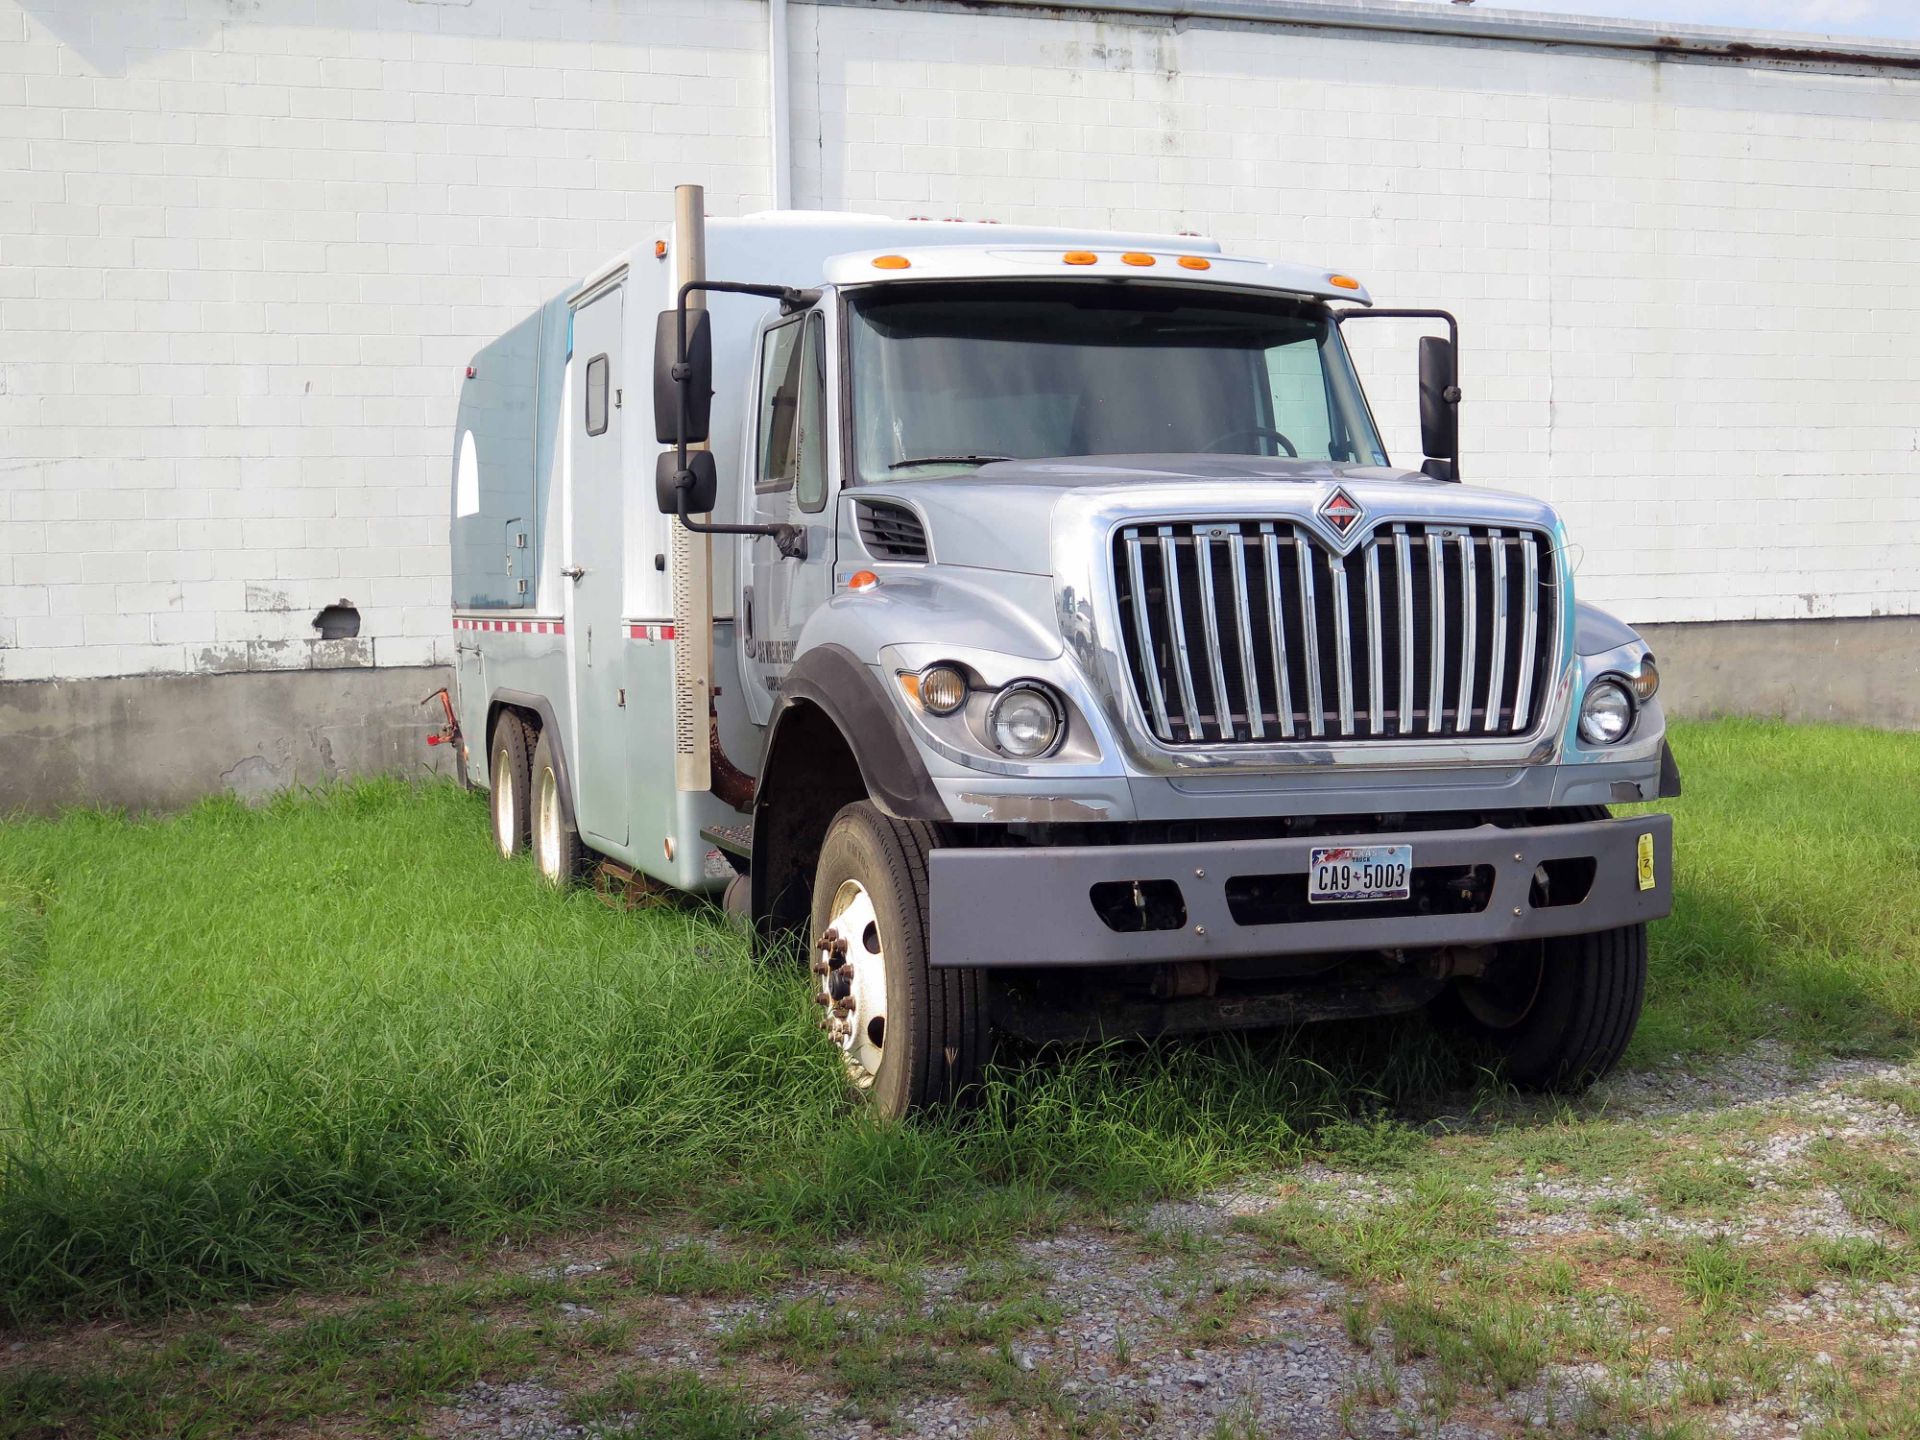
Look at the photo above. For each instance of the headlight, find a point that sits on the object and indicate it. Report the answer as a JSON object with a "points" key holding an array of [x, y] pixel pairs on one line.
{"points": [[943, 689], [1606, 714], [1024, 722]]}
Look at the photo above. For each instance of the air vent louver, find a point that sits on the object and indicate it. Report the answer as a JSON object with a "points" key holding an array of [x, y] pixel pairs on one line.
{"points": [[892, 532]]}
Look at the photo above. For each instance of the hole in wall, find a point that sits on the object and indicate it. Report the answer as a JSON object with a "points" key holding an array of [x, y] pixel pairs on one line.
{"points": [[339, 621]]}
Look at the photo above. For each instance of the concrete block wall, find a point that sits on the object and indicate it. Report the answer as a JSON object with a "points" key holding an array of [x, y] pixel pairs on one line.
{"points": [[245, 252], [1690, 313]]}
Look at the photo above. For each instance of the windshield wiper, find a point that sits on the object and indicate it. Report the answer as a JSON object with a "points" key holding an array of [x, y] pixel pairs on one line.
{"points": [[948, 460]]}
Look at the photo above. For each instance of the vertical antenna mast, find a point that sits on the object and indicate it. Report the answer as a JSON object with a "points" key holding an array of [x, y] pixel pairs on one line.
{"points": [[691, 554]]}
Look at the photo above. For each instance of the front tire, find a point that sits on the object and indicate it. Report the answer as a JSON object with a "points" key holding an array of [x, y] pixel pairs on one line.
{"points": [[1560, 1011], [507, 780], [557, 852], [912, 1037]]}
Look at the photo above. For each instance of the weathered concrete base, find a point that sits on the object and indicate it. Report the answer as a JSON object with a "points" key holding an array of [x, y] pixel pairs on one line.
{"points": [[158, 742], [1851, 672]]}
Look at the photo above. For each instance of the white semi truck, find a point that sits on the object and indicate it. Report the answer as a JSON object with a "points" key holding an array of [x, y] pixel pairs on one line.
{"points": [[1032, 622]]}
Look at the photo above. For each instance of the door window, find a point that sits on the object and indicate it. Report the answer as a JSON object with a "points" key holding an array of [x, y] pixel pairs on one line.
{"points": [[793, 414]]}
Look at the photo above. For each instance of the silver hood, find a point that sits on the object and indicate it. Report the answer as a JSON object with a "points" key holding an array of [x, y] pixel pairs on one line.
{"points": [[1002, 516]]}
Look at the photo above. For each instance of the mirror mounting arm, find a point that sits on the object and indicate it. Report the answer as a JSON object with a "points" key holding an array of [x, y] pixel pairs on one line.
{"points": [[791, 540], [1450, 394]]}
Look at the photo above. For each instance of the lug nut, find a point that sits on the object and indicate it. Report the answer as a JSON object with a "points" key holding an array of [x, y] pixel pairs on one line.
{"points": [[820, 997], [820, 967]]}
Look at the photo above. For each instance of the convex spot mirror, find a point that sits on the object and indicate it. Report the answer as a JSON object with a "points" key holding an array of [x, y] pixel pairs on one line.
{"points": [[1439, 419], [696, 382], [703, 487]]}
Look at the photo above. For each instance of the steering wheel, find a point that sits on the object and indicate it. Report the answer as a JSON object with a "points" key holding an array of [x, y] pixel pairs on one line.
{"points": [[1258, 432]]}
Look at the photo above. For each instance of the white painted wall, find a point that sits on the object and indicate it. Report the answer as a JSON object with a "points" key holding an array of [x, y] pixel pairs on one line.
{"points": [[244, 255]]}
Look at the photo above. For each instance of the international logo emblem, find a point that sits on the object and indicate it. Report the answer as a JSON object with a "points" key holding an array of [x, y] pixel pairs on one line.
{"points": [[1341, 511]]}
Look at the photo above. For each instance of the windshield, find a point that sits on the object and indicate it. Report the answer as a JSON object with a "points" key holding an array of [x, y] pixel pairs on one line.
{"points": [[949, 377]]}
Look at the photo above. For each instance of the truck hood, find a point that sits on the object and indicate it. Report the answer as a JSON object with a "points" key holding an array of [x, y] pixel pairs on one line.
{"points": [[1004, 516]]}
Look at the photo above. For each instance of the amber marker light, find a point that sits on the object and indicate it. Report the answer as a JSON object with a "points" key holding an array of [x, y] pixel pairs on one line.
{"points": [[1195, 262], [659, 249], [1135, 257], [862, 580], [1343, 282], [891, 262], [1079, 257]]}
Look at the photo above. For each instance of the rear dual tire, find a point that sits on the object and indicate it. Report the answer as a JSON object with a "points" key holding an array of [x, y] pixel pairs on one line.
{"points": [[509, 785], [526, 802], [558, 853]]}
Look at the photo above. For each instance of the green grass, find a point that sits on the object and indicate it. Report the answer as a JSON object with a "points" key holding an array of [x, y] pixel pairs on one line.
{"points": [[1797, 892], [648, 1405], [247, 1048]]}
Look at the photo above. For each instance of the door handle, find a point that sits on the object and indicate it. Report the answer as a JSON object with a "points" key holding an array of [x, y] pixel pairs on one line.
{"points": [[573, 572], [746, 597]]}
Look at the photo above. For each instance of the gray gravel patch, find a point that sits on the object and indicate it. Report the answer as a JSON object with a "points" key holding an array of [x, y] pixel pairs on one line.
{"points": [[1177, 1325]]}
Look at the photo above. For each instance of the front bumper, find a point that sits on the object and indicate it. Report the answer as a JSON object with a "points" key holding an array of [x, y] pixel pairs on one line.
{"points": [[1034, 907]]}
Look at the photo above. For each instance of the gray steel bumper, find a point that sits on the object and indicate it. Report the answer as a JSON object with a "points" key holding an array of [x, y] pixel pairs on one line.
{"points": [[1032, 907]]}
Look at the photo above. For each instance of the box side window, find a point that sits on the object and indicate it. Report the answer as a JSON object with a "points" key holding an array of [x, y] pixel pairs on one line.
{"points": [[597, 395]]}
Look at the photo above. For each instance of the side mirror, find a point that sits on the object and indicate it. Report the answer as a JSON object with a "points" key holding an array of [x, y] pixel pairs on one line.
{"points": [[696, 382], [1439, 399], [703, 486]]}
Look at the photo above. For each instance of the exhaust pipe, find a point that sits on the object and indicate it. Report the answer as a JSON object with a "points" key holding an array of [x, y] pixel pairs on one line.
{"points": [[691, 554]]}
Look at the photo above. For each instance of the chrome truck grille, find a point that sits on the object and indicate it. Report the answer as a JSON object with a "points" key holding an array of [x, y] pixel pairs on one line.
{"points": [[1256, 632]]}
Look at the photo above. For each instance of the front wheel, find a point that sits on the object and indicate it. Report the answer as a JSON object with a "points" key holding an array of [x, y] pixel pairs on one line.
{"points": [[1560, 1011], [911, 1036]]}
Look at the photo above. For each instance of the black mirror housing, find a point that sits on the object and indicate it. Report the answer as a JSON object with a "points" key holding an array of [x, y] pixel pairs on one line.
{"points": [[696, 383], [703, 487], [1439, 398]]}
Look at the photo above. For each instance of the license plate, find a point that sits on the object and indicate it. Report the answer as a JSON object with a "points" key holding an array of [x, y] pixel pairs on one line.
{"points": [[1360, 872]]}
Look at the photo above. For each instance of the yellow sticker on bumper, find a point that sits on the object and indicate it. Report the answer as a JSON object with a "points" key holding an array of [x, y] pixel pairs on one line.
{"points": [[1646, 862]]}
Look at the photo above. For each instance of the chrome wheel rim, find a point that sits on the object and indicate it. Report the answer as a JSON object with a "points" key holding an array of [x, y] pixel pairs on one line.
{"points": [[546, 823], [503, 828], [851, 963]]}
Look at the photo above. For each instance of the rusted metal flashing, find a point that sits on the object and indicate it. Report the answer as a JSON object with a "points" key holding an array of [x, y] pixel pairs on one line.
{"points": [[1805, 55]]}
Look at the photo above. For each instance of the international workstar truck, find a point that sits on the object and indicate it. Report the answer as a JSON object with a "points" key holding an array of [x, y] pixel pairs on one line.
{"points": [[1032, 622]]}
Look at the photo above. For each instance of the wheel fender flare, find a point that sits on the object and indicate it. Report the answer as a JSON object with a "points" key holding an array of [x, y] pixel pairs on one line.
{"points": [[831, 682], [549, 727], [832, 678]]}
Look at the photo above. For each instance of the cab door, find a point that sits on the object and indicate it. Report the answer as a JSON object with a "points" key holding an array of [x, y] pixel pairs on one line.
{"points": [[791, 481], [595, 571]]}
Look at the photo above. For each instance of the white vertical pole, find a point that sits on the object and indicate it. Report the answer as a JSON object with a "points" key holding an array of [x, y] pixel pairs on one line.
{"points": [[778, 128]]}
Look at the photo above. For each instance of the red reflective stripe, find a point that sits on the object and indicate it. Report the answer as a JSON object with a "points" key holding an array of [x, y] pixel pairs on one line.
{"points": [[510, 627]]}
